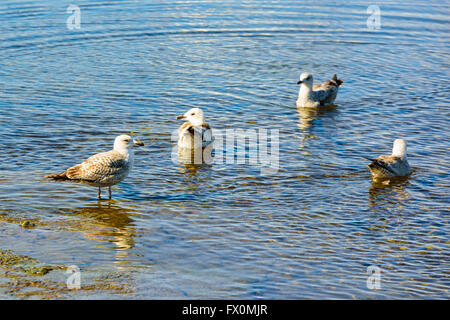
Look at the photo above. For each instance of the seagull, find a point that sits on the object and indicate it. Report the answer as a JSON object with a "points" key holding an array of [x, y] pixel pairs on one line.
{"points": [[103, 169], [194, 128], [395, 165], [311, 95]]}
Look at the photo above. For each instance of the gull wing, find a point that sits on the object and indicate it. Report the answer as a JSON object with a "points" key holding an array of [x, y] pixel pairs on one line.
{"points": [[389, 166], [326, 92], [203, 131], [99, 166], [206, 134], [326, 95]]}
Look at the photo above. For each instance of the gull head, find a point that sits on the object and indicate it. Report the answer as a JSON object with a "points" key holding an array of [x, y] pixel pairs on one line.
{"points": [[123, 142], [306, 79], [399, 148], [194, 116]]}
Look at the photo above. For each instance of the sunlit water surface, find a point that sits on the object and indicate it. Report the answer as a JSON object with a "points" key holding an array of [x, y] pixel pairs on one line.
{"points": [[309, 230]]}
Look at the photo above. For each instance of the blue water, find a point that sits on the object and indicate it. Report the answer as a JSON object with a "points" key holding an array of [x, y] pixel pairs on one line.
{"points": [[309, 230]]}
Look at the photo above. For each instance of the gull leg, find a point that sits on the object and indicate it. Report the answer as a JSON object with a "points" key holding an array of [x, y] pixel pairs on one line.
{"points": [[109, 189], [99, 193]]}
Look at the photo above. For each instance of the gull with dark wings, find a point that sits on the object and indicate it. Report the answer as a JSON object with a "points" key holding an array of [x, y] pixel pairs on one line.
{"points": [[394, 165]]}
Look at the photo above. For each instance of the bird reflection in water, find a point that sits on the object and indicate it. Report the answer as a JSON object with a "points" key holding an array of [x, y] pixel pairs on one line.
{"points": [[195, 170], [387, 195], [306, 119], [101, 222]]}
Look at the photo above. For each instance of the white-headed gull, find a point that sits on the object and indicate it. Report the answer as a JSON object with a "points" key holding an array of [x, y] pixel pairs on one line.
{"points": [[103, 169]]}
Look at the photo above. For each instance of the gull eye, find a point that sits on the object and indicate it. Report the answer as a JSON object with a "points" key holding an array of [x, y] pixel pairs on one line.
{"points": [[192, 114]]}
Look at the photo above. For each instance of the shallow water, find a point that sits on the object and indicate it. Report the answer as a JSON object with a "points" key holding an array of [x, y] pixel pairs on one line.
{"points": [[309, 230]]}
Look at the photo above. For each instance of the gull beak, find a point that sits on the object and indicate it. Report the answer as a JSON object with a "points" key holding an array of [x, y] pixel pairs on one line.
{"points": [[137, 142], [299, 82], [181, 117]]}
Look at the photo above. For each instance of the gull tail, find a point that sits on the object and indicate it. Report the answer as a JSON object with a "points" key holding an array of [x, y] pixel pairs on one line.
{"points": [[73, 173], [58, 176], [337, 81]]}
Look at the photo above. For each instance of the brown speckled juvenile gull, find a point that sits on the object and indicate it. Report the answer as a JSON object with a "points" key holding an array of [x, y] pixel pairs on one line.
{"points": [[311, 95], [395, 165], [194, 127], [103, 169]]}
